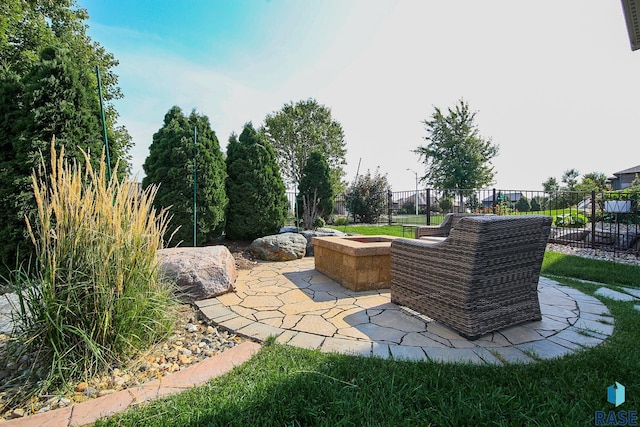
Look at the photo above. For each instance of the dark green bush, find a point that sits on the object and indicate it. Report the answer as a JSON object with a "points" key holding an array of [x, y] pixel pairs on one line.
{"points": [[368, 197], [258, 204], [170, 165], [340, 221], [315, 193]]}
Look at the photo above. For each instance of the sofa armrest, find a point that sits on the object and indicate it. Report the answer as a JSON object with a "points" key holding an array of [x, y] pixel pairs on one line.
{"points": [[432, 230]]}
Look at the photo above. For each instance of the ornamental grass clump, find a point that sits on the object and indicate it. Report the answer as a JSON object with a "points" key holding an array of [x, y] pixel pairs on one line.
{"points": [[95, 297]]}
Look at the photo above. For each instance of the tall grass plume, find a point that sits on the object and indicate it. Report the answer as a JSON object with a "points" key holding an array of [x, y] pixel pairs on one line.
{"points": [[95, 297]]}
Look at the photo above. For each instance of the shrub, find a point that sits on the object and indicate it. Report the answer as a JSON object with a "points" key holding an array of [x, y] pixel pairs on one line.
{"points": [[319, 223], [340, 221], [95, 297], [538, 203], [368, 196], [504, 208], [571, 220], [523, 205], [446, 204]]}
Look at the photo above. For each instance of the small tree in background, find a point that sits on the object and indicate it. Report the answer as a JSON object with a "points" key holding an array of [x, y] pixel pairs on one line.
{"points": [[550, 186], [457, 158], [593, 181], [300, 128], [523, 204], [446, 204], [368, 195], [472, 203], [170, 164], [570, 177], [538, 203], [315, 193], [258, 203]]}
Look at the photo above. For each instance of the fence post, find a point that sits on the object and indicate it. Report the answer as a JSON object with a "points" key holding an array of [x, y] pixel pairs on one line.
{"points": [[428, 206], [593, 219], [494, 201], [389, 206]]}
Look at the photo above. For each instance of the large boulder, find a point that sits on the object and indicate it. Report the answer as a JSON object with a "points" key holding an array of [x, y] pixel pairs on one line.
{"points": [[200, 273], [320, 232], [279, 247]]}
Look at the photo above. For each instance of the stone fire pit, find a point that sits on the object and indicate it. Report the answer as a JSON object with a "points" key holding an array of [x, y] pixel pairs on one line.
{"points": [[359, 263]]}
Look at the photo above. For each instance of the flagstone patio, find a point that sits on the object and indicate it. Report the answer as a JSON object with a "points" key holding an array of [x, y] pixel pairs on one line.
{"points": [[302, 307]]}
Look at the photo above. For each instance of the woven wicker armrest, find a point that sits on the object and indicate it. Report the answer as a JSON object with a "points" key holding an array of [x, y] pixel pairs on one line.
{"points": [[444, 229], [481, 278], [441, 230]]}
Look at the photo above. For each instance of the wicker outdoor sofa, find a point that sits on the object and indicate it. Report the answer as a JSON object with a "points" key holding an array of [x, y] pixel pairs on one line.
{"points": [[483, 277]]}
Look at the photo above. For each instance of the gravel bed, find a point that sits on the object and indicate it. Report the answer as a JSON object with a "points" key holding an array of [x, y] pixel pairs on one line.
{"points": [[193, 340], [620, 257]]}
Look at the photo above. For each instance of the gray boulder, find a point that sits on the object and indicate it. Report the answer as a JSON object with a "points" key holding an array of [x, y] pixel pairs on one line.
{"points": [[279, 247], [320, 232], [200, 273], [9, 304]]}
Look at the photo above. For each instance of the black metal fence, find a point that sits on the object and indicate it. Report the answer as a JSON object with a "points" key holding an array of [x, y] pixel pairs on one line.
{"points": [[603, 220]]}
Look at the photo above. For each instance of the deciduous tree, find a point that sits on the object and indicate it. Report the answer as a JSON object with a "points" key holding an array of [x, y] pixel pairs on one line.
{"points": [[299, 129], [596, 181], [457, 159]]}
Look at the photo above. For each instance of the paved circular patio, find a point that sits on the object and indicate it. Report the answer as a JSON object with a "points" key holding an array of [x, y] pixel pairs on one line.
{"points": [[304, 308]]}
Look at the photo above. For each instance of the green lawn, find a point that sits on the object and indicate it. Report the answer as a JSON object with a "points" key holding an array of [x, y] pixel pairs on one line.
{"points": [[389, 230], [287, 386]]}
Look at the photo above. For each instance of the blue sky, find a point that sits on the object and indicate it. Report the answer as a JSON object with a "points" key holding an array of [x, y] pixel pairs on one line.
{"points": [[554, 83]]}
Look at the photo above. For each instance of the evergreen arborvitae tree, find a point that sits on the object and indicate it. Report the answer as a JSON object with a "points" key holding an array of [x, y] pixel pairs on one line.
{"points": [[12, 225], [48, 87], [170, 164], [258, 204], [59, 100], [55, 99], [315, 193]]}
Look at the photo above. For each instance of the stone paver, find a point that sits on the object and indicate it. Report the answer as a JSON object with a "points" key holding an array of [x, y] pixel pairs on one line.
{"points": [[512, 355], [632, 291], [260, 331], [315, 325], [305, 340], [544, 349], [455, 355], [614, 295], [404, 352], [599, 327], [7, 302], [346, 346], [315, 312]]}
